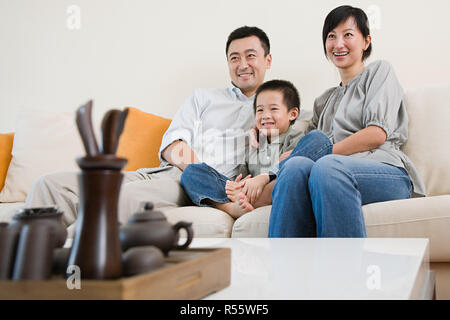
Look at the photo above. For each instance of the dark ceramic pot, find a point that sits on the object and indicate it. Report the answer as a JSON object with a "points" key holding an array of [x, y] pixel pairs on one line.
{"points": [[50, 216], [96, 246], [34, 257], [151, 228], [60, 260], [9, 237]]}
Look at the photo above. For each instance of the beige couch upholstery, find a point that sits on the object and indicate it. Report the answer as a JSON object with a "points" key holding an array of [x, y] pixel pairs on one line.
{"points": [[429, 217]]}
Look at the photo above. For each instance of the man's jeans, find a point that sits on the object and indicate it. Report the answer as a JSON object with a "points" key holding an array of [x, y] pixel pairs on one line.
{"points": [[201, 182], [323, 198]]}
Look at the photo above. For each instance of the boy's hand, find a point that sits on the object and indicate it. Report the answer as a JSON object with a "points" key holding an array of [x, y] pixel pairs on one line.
{"points": [[253, 187], [254, 144], [234, 188]]}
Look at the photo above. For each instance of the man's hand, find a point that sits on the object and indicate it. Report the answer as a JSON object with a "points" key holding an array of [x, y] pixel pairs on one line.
{"points": [[179, 154], [253, 187]]}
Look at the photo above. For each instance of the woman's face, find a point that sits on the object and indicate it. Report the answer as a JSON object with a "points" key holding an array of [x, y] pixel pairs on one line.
{"points": [[345, 44]]}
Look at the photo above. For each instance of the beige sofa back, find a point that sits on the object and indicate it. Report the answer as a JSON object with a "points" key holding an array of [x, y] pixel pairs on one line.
{"points": [[428, 145]]}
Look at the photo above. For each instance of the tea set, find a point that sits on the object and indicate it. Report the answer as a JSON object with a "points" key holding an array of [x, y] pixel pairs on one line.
{"points": [[31, 246]]}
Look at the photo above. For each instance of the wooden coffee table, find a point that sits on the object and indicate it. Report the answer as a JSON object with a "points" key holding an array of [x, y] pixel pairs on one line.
{"points": [[331, 268]]}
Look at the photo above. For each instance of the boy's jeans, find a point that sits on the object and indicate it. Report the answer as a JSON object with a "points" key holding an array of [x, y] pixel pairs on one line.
{"points": [[200, 181]]}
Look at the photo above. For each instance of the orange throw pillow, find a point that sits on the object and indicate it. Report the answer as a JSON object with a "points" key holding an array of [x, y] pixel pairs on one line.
{"points": [[141, 139], [6, 144]]}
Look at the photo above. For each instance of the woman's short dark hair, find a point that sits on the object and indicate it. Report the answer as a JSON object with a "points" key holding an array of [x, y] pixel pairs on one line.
{"points": [[244, 32], [341, 14], [291, 98]]}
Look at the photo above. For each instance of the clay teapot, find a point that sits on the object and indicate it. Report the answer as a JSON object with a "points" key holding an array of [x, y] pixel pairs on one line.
{"points": [[42, 215], [151, 228]]}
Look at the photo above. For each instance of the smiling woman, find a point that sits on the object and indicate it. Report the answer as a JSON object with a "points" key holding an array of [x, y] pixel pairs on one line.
{"points": [[347, 41], [344, 45], [365, 119]]}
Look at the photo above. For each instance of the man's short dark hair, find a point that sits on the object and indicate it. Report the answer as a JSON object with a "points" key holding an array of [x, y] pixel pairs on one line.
{"points": [[291, 98], [341, 14], [244, 32]]}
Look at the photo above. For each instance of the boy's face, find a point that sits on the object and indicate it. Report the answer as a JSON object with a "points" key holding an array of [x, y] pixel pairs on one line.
{"points": [[272, 115]]}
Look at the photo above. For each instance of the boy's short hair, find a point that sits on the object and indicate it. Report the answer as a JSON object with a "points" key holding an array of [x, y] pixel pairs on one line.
{"points": [[291, 98]]}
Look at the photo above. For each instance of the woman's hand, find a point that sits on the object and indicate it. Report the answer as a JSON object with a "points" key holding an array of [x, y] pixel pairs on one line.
{"points": [[253, 187]]}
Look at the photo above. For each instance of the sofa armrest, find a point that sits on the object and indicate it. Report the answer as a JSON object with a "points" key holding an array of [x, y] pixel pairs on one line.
{"points": [[427, 217]]}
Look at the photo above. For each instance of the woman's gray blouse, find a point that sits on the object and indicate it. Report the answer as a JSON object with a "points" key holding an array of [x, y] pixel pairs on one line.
{"points": [[372, 98]]}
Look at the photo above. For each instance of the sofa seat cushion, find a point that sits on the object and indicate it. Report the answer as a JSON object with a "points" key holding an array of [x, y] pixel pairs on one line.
{"points": [[254, 224], [206, 222], [8, 210], [411, 218]]}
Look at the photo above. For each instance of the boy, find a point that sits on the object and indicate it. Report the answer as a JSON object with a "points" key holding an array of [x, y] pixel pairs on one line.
{"points": [[276, 108]]}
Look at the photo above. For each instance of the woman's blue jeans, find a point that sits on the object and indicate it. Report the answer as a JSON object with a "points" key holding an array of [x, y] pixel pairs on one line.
{"points": [[201, 182], [324, 198]]}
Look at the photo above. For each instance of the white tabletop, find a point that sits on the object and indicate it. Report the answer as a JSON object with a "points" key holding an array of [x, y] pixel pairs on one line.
{"points": [[312, 268]]}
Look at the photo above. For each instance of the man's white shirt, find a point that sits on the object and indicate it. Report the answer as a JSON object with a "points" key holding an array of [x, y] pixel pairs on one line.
{"points": [[214, 124]]}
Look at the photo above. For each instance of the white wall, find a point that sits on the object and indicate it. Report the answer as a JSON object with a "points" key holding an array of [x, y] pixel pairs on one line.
{"points": [[151, 54]]}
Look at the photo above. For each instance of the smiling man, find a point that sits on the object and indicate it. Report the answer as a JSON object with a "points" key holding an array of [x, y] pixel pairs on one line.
{"points": [[213, 120], [248, 59], [209, 127]]}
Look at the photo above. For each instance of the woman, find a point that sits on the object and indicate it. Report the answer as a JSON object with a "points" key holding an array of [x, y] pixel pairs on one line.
{"points": [[366, 121]]}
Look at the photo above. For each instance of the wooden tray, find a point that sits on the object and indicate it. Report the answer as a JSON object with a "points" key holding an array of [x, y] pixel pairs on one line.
{"points": [[187, 274]]}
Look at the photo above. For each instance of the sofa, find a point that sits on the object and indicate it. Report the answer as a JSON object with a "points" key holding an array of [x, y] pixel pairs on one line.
{"points": [[427, 217]]}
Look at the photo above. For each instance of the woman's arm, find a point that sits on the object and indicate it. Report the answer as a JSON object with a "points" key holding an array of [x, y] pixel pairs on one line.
{"points": [[364, 140]]}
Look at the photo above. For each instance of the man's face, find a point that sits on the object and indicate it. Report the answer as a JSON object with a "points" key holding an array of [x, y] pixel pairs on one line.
{"points": [[247, 64]]}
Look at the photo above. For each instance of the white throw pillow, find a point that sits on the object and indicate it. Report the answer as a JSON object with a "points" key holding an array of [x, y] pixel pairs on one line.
{"points": [[43, 143], [428, 144]]}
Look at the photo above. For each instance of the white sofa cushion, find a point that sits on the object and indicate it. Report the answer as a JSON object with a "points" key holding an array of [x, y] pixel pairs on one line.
{"points": [[254, 224], [427, 217], [429, 132], [206, 222], [8, 210], [43, 143]]}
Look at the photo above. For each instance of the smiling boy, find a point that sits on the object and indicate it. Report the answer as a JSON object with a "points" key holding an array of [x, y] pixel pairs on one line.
{"points": [[276, 108]]}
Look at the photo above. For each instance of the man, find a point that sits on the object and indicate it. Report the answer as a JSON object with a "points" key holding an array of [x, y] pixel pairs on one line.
{"points": [[209, 122]]}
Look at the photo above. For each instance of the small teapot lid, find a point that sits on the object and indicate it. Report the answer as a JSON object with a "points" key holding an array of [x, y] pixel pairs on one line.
{"points": [[37, 212], [147, 214]]}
